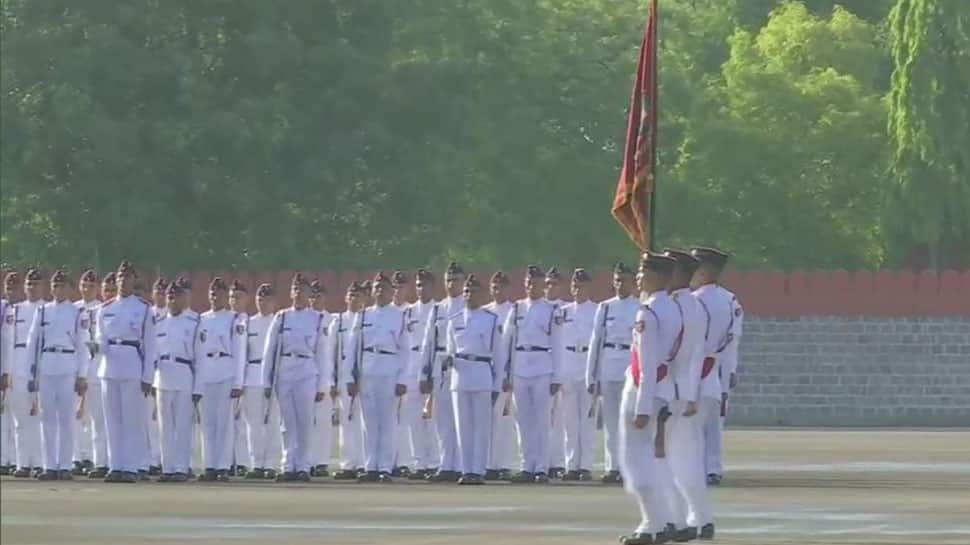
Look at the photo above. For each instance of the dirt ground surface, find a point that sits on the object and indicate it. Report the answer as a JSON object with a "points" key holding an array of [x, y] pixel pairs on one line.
{"points": [[831, 487]]}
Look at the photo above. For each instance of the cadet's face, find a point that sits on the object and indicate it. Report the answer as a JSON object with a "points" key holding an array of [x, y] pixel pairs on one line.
{"points": [[474, 296], [265, 304], [218, 298], [59, 291], [174, 303], [497, 289], [552, 289], [10, 292], [159, 297], [533, 287], [32, 289], [454, 285], [422, 289], [578, 290], [125, 281], [238, 301], [109, 291], [381, 293], [622, 284], [89, 290]]}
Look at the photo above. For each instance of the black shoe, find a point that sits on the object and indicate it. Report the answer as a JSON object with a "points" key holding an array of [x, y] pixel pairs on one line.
{"points": [[130, 477], [255, 473], [556, 472], [48, 475], [154, 471], [637, 538], [505, 474], [269, 474], [418, 475], [302, 476], [180, 477], [385, 478], [222, 475], [98, 473], [345, 475], [445, 477], [369, 477], [4, 470], [143, 475], [571, 475], [321, 471], [78, 468], [240, 471], [165, 477], [286, 477], [65, 475], [401, 471], [541, 478], [523, 477], [713, 479], [112, 477], [707, 531], [22, 473], [36, 471], [612, 477], [86, 466], [471, 479], [585, 475], [686, 534], [491, 474], [208, 476]]}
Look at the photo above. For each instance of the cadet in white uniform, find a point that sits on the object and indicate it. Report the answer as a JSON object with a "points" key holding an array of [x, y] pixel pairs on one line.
{"points": [[295, 368], [95, 396], [380, 358], [436, 378], [474, 346], [152, 465], [691, 508], [421, 429], [321, 439], [221, 366], [89, 452], [347, 413], [58, 367], [533, 334], [557, 433], [502, 447], [176, 383], [576, 405], [409, 405], [655, 333], [263, 436], [8, 458], [22, 403], [725, 316], [239, 304], [608, 359], [125, 334]]}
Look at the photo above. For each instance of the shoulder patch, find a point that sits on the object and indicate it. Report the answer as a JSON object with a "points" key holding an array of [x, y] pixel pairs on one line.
{"points": [[737, 311], [202, 335], [558, 319], [8, 318], [639, 326], [240, 329]]}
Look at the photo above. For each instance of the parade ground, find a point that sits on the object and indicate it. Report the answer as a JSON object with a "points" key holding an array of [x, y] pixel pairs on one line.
{"points": [[781, 487]]}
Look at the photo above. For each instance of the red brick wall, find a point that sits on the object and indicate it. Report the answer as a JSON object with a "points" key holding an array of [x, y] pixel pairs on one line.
{"points": [[838, 293]]}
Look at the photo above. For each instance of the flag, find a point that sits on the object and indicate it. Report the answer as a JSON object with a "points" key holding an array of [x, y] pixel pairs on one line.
{"points": [[635, 189]]}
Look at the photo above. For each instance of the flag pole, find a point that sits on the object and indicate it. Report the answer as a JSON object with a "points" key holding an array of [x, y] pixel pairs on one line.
{"points": [[652, 210]]}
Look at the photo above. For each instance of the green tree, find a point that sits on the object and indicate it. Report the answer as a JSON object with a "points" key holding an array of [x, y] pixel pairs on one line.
{"points": [[929, 123]]}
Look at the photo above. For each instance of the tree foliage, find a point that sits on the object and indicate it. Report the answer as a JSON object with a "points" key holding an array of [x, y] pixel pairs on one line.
{"points": [[263, 134]]}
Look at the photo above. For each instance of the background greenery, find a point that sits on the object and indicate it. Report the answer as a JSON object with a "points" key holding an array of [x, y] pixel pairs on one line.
{"points": [[371, 133]]}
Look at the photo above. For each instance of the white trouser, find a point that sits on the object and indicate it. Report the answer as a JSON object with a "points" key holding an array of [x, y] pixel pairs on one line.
{"points": [[639, 466], [533, 403], [713, 436], [8, 449], [684, 456], [89, 441], [57, 410], [611, 393], [153, 442], [557, 434], [670, 496], [351, 433], [240, 441], [443, 413], [424, 438], [27, 442], [501, 452], [217, 424], [296, 409], [378, 406], [408, 415], [175, 414], [321, 438], [124, 416], [580, 427], [263, 436], [473, 420]]}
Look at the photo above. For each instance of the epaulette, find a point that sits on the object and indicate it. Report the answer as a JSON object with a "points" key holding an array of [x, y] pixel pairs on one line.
{"points": [[193, 317], [489, 311], [108, 303], [455, 315], [161, 318], [145, 301]]}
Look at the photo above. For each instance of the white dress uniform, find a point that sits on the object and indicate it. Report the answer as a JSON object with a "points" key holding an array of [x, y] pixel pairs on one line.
{"points": [[176, 381], [607, 362], [557, 433], [56, 356], [221, 364], [295, 366], [20, 402], [533, 334], [351, 431], [125, 334], [263, 437], [321, 440], [7, 448], [91, 441], [240, 441], [380, 356], [153, 441], [475, 345], [655, 333], [685, 444], [722, 334], [433, 359], [417, 443], [578, 420], [502, 447]]}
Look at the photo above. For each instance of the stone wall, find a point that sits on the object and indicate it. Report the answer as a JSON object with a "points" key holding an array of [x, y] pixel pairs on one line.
{"points": [[854, 371]]}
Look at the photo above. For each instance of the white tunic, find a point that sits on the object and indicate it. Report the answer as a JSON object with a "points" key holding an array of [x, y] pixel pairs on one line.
{"points": [[532, 331], [17, 321], [257, 328], [722, 314], [577, 330], [295, 350], [609, 352], [55, 344], [178, 349], [125, 333], [475, 345], [222, 348], [686, 367], [379, 344]]}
